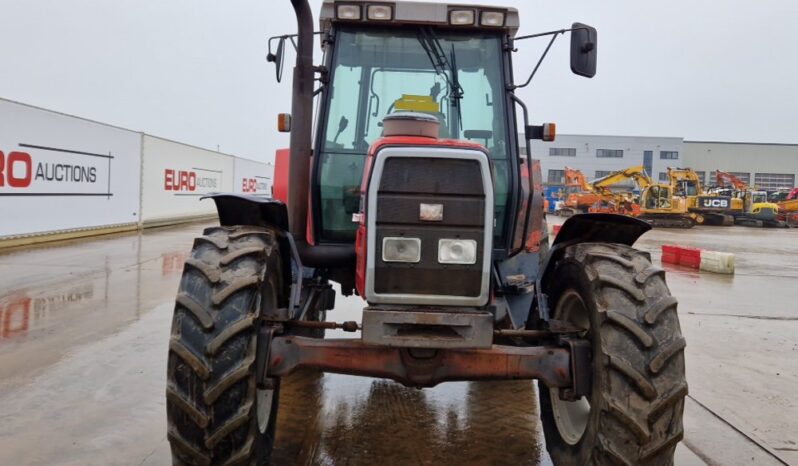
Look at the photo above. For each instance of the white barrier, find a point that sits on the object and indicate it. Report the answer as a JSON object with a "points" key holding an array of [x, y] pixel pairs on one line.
{"points": [[253, 177], [62, 173], [718, 262], [175, 176]]}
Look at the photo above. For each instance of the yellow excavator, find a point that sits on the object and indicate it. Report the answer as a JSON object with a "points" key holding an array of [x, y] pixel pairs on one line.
{"points": [[667, 205], [749, 207], [661, 205], [620, 202], [709, 208]]}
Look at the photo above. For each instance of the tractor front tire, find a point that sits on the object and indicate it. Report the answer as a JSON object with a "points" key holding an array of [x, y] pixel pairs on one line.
{"points": [[633, 415], [216, 412]]}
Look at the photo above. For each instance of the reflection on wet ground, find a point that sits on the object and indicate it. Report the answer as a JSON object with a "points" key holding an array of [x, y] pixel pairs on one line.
{"points": [[83, 339], [83, 333], [59, 296], [356, 421]]}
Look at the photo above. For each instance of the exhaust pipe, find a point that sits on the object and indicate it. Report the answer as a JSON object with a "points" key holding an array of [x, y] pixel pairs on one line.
{"points": [[301, 122], [301, 149]]}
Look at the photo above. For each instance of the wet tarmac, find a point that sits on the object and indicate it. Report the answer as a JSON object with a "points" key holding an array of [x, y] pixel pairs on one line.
{"points": [[83, 339]]}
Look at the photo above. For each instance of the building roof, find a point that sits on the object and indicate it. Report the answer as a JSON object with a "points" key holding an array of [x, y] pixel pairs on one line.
{"points": [[743, 143]]}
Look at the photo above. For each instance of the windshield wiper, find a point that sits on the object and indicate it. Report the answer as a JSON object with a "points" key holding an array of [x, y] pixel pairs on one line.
{"points": [[437, 57]]}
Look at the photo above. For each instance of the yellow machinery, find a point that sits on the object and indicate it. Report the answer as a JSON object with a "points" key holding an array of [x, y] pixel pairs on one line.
{"points": [[708, 208], [749, 207], [662, 205], [620, 202]]}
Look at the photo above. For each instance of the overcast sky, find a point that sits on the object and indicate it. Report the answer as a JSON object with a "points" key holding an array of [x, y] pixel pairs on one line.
{"points": [[195, 70]]}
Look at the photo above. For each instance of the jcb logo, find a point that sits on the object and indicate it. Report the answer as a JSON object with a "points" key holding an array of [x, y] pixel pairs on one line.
{"points": [[16, 170], [715, 203]]}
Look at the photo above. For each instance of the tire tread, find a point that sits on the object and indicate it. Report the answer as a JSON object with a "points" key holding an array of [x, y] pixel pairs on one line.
{"points": [[210, 397], [639, 420]]}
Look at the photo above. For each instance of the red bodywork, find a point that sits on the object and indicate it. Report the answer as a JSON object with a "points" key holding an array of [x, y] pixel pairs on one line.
{"points": [[282, 164], [408, 141]]}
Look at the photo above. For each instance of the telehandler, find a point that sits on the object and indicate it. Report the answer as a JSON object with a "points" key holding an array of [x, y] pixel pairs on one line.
{"points": [[409, 190]]}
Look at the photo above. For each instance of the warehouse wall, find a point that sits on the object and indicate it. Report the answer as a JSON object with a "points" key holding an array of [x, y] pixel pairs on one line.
{"points": [[770, 166], [62, 176], [60, 173], [582, 152]]}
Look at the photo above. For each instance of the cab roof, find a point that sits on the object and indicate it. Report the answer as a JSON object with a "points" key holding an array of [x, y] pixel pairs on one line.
{"points": [[418, 13]]}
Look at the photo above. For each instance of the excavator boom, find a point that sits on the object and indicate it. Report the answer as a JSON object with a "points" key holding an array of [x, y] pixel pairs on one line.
{"points": [[638, 174], [721, 178]]}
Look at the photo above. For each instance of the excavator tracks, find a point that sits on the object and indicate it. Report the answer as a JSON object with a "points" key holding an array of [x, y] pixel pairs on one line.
{"points": [[663, 221]]}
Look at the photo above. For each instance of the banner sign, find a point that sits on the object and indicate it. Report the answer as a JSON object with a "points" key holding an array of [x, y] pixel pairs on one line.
{"points": [[69, 172], [175, 176], [253, 177]]}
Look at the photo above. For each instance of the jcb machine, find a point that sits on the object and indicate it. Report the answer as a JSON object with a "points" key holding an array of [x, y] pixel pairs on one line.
{"points": [[682, 203], [749, 207], [707, 208], [665, 206], [412, 193]]}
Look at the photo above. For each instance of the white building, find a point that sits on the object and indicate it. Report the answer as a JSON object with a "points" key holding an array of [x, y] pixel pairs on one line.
{"points": [[597, 156], [766, 166]]}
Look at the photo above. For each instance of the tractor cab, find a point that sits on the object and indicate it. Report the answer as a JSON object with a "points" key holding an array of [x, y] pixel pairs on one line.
{"points": [[451, 62], [455, 75]]}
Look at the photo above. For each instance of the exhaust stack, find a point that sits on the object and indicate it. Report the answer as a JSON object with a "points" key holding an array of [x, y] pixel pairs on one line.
{"points": [[302, 122]]}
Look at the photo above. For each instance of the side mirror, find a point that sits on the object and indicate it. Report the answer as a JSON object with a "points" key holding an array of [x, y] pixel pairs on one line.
{"points": [[584, 43], [277, 58]]}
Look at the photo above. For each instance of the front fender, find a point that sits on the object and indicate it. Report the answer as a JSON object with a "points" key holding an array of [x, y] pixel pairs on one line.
{"points": [[601, 228], [250, 209], [261, 211], [586, 228]]}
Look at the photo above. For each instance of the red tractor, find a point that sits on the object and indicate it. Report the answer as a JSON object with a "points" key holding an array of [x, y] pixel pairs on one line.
{"points": [[414, 194]]}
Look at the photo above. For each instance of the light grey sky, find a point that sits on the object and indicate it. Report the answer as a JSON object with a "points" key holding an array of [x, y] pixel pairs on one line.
{"points": [[195, 70]]}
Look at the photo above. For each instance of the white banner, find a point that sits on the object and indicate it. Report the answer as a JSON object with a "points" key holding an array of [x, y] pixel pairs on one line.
{"points": [[59, 172], [253, 177], [176, 175]]}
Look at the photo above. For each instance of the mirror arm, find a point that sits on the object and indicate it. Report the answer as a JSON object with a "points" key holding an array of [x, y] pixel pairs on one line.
{"points": [[542, 34], [540, 61], [554, 35], [291, 37]]}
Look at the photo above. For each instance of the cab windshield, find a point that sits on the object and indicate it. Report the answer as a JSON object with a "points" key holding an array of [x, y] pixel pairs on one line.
{"points": [[457, 77]]}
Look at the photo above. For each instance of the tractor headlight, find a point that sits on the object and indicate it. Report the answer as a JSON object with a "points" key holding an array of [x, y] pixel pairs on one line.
{"points": [[462, 17], [457, 251], [379, 12], [348, 12], [492, 18], [398, 249]]}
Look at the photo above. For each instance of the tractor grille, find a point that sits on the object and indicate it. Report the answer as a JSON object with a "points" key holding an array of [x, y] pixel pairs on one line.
{"points": [[405, 184]]}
